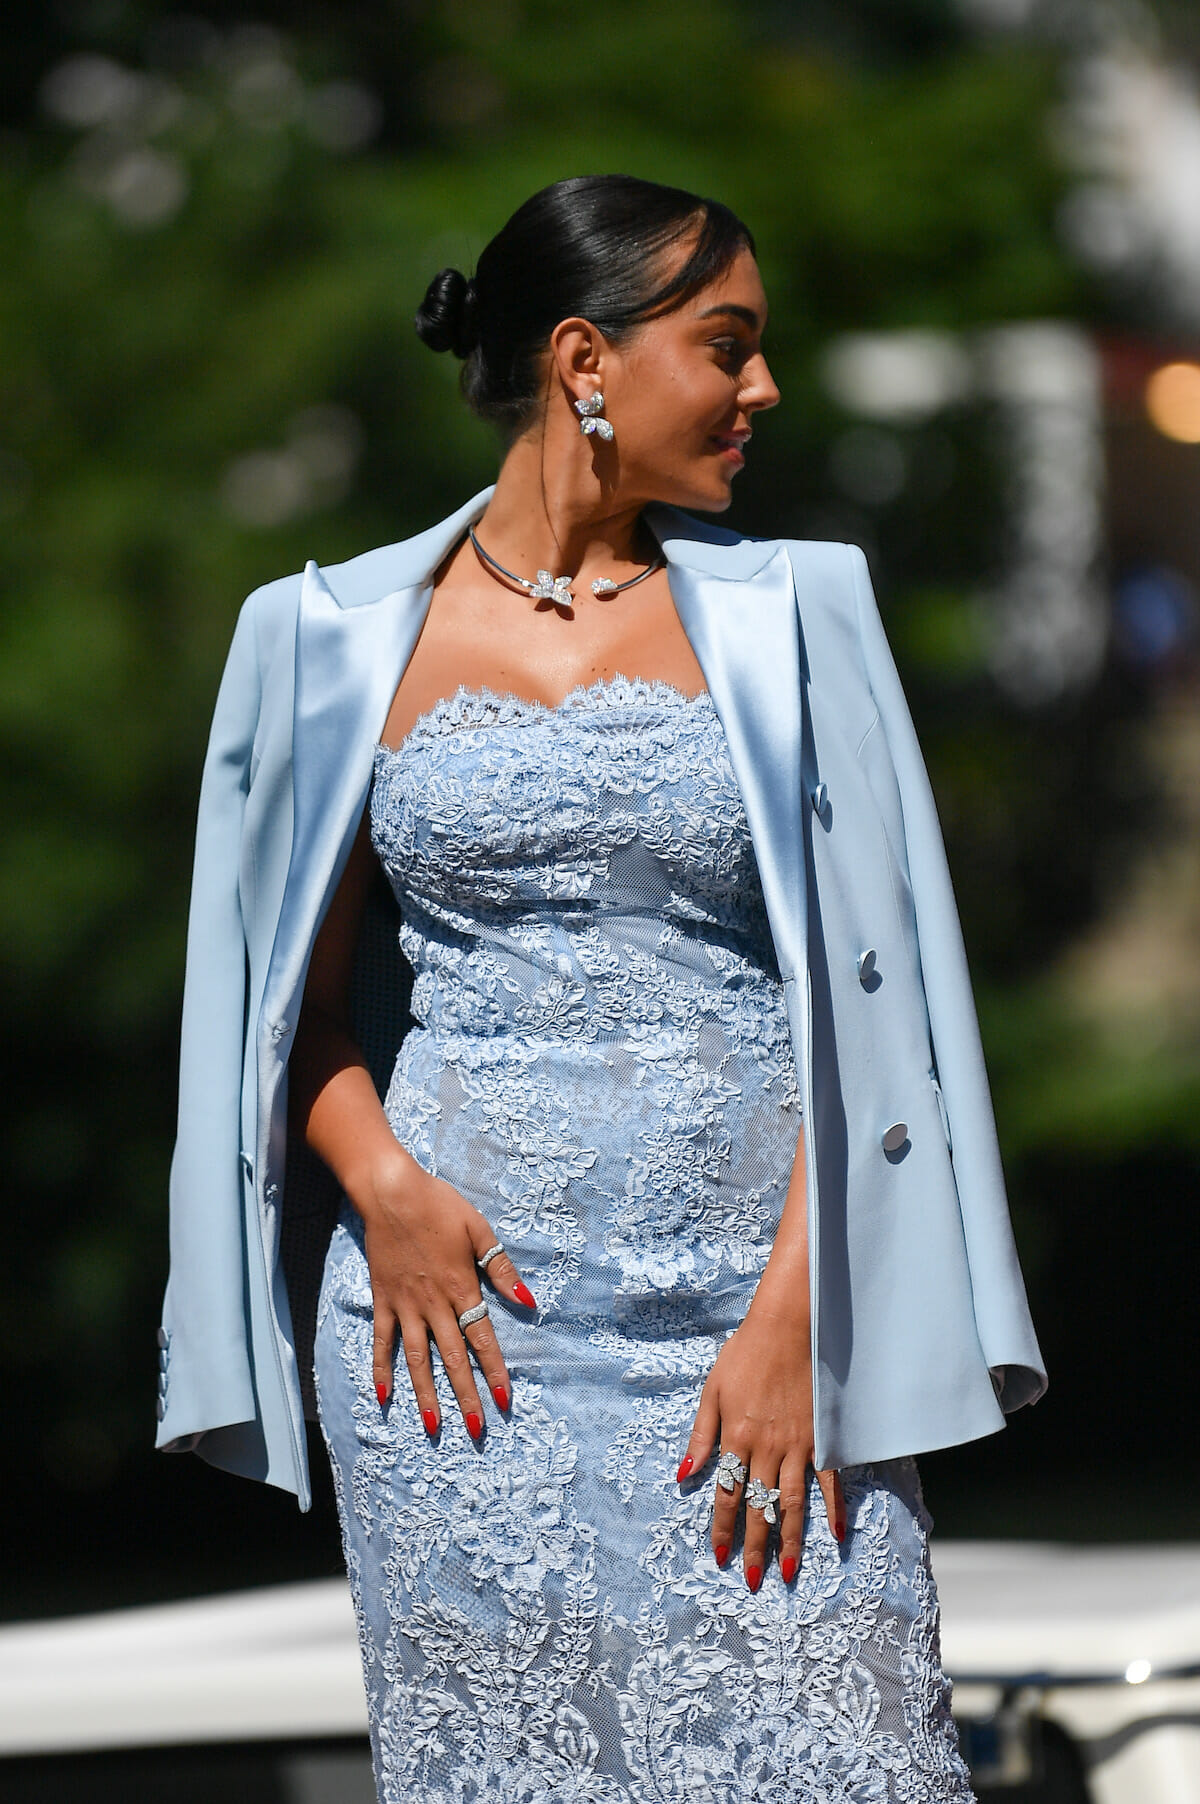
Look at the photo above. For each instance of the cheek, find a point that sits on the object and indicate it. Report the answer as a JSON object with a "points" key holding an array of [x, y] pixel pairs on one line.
{"points": [[675, 405]]}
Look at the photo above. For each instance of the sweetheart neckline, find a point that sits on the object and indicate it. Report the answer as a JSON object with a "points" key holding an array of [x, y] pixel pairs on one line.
{"points": [[514, 708]]}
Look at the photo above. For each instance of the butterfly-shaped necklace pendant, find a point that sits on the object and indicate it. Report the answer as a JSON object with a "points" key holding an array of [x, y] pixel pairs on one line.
{"points": [[552, 588]]}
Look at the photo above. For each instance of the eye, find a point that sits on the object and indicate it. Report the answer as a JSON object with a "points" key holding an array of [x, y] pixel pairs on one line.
{"points": [[732, 352]]}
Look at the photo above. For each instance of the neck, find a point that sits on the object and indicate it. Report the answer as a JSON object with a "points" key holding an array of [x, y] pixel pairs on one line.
{"points": [[550, 512]]}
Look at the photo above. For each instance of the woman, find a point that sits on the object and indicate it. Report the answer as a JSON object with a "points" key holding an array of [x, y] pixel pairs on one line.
{"points": [[693, 1038]]}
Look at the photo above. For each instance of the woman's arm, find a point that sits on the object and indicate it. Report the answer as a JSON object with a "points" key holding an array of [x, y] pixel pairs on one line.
{"points": [[422, 1237], [758, 1399]]}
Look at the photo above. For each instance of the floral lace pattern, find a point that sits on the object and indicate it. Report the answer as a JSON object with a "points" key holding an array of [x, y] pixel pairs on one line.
{"points": [[601, 1063]]}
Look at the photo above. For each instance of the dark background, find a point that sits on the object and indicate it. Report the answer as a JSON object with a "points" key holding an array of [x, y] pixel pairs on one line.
{"points": [[214, 229]]}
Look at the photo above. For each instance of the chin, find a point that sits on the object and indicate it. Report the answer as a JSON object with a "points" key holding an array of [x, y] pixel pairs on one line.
{"points": [[708, 503], [709, 498]]}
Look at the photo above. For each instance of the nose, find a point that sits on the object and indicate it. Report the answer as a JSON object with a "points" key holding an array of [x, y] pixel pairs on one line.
{"points": [[759, 390]]}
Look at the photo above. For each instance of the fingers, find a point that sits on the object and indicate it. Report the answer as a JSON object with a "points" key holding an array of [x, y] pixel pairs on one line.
{"points": [[703, 1436], [481, 1337], [835, 1502], [382, 1346], [452, 1347], [772, 1498], [415, 1335], [754, 1548], [500, 1269], [456, 1361], [793, 1499], [430, 1304], [726, 1497]]}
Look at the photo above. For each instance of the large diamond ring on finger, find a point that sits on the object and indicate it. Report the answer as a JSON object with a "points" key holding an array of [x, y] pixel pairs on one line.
{"points": [[758, 1497], [485, 1259], [473, 1315], [730, 1472]]}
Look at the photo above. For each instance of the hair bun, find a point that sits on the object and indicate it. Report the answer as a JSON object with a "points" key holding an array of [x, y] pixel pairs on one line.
{"points": [[446, 319]]}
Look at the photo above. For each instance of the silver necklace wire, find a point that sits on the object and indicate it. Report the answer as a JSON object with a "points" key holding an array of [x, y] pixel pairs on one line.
{"points": [[558, 588]]}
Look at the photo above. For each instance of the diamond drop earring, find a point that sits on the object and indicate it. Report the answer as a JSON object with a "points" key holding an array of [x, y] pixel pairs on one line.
{"points": [[589, 412]]}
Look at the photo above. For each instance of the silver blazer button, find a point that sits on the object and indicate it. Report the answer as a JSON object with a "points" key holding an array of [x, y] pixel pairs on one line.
{"points": [[866, 965], [895, 1136]]}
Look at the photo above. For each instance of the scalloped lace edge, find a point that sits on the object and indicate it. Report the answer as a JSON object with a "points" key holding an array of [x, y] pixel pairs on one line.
{"points": [[484, 706]]}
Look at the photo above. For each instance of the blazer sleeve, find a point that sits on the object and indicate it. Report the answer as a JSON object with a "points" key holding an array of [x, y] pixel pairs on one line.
{"points": [[207, 1373], [1006, 1332]]}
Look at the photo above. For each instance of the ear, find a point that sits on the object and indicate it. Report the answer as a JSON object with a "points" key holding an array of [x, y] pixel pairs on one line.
{"points": [[577, 351]]}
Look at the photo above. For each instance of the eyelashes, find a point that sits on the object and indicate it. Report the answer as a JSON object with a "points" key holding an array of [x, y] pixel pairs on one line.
{"points": [[735, 350]]}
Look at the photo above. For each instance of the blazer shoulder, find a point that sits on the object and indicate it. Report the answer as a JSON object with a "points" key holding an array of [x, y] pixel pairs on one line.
{"points": [[268, 614], [837, 557], [832, 578], [371, 574], [364, 577]]}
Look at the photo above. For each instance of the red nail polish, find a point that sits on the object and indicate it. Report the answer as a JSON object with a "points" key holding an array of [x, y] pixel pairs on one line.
{"points": [[474, 1426], [788, 1568], [429, 1417], [720, 1555], [839, 1529], [501, 1396], [523, 1294], [685, 1467], [754, 1577], [382, 1394]]}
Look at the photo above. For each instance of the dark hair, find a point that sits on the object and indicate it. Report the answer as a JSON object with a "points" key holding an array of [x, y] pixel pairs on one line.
{"points": [[585, 247]]}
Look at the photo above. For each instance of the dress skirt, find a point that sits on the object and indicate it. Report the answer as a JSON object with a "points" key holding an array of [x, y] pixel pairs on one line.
{"points": [[602, 1065]]}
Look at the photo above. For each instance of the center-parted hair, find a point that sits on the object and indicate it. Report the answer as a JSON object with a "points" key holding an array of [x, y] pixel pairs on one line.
{"points": [[590, 247]]}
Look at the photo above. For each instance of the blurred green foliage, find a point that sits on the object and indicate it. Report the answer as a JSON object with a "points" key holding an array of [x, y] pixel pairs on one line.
{"points": [[209, 375]]}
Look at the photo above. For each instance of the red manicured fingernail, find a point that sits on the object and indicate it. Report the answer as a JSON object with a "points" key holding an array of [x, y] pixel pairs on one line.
{"points": [[754, 1577], [501, 1396], [685, 1467], [839, 1529], [474, 1426], [720, 1555], [429, 1417], [788, 1568], [523, 1294], [381, 1393]]}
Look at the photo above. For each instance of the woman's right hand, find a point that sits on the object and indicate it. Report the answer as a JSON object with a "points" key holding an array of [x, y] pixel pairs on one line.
{"points": [[422, 1241]]}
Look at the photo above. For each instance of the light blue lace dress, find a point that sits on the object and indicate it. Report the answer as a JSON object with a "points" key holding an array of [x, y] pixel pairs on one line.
{"points": [[602, 1065]]}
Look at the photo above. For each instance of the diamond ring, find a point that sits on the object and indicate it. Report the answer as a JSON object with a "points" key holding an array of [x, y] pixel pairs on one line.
{"points": [[730, 1472], [758, 1497], [473, 1315], [485, 1259]]}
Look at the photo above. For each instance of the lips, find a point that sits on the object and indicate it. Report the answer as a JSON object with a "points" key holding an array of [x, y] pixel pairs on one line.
{"points": [[729, 446]]}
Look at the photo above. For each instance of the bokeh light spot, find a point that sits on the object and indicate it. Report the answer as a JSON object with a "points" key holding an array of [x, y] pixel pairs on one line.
{"points": [[1173, 401]]}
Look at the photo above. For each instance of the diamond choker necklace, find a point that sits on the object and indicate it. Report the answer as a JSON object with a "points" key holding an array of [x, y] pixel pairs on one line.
{"points": [[558, 588]]}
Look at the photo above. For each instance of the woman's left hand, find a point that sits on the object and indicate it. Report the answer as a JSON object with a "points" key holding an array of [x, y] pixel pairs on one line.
{"points": [[758, 1401]]}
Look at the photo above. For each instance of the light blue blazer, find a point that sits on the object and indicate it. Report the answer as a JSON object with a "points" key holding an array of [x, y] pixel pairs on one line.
{"points": [[921, 1334]]}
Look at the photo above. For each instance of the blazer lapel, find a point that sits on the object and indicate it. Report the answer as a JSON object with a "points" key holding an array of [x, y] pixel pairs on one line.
{"points": [[744, 631], [351, 651]]}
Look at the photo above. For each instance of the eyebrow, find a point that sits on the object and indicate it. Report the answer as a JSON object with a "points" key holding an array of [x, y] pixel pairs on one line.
{"points": [[746, 314]]}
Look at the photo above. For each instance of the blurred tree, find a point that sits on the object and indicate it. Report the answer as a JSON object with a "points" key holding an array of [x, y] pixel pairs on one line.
{"points": [[213, 234]]}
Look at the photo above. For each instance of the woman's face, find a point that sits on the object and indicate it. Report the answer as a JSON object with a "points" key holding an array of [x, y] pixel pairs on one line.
{"points": [[682, 391]]}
